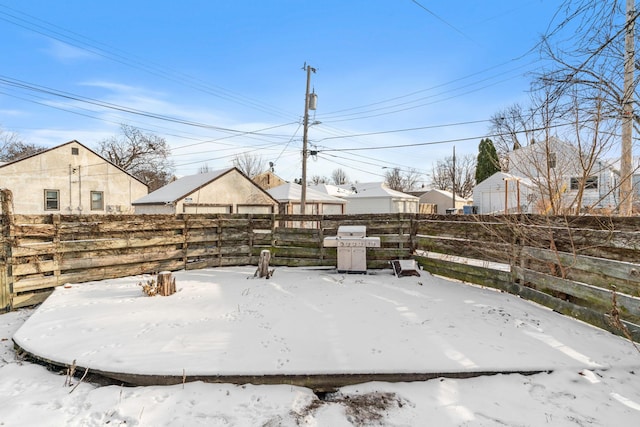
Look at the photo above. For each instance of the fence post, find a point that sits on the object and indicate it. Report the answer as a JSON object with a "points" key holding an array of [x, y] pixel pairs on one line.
{"points": [[321, 238], [185, 241], [6, 261]]}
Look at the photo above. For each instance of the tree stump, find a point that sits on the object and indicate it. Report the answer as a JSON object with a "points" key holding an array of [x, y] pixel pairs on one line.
{"points": [[263, 264], [166, 284]]}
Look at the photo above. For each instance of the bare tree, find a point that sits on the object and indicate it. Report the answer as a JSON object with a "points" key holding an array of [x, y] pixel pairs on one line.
{"points": [[442, 176], [586, 53], [250, 164], [204, 168], [403, 181], [143, 155], [411, 179], [317, 179], [393, 179], [339, 177], [13, 148], [566, 169], [511, 129]]}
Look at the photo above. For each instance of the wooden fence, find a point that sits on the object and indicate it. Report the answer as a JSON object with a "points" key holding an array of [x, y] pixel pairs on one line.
{"points": [[40, 252], [586, 267]]}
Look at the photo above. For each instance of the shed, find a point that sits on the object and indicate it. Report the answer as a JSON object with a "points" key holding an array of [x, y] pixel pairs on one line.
{"points": [[375, 197], [69, 179], [221, 191], [443, 200], [492, 193]]}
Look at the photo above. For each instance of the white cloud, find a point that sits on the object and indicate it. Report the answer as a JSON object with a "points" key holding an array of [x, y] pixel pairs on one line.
{"points": [[65, 52]]}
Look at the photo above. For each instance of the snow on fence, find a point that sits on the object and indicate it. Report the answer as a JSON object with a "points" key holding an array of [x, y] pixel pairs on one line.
{"points": [[578, 266]]}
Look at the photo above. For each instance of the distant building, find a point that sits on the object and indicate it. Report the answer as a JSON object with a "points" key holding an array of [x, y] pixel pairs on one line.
{"points": [[375, 197], [221, 191], [442, 200], [517, 192], [70, 179], [316, 203]]}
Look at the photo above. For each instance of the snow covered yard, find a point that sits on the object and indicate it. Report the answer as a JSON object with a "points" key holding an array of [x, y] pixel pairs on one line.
{"points": [[313, 321]]}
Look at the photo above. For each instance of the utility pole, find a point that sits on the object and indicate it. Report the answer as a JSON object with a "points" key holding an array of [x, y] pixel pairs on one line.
{"points": [[626, 158], [303, 192]]}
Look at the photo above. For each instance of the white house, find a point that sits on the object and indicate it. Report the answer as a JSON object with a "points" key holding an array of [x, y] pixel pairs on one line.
{"points": [[375, 197], [443, 200], [221, 191], [504, 193], [70, 179], [557, 172]]}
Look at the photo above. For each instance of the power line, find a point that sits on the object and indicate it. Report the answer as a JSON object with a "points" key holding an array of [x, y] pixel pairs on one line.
{"points": [[451, 82], [343, 118], [441, 19], [66, 95], [50, 30], [404, 130], [447, 141]]}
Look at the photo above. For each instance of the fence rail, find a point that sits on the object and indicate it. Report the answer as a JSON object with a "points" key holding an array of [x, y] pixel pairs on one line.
{"points": [[586, 267]]}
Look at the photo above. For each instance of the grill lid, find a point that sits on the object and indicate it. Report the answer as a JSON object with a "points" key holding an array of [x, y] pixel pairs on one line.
{"points": [[352, 231]]}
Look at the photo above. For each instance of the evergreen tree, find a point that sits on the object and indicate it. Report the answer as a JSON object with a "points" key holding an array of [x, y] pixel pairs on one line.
{"points": [[488, 162]]}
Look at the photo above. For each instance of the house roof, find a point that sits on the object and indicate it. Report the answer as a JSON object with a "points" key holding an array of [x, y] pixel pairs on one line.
{"points": [[445, 193], [332, 190], [180, 188], [501, 176], [377, 189], [418, 193], [293, 192], [62, 145]]}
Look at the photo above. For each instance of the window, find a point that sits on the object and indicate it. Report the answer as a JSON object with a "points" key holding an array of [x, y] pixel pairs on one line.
{"points": [[575, 183], [74, 151], [52, 200], [590, 183], [97, 201], [552, 160]]}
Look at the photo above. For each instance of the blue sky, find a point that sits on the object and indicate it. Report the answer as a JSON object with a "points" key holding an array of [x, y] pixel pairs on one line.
{"points": [[204, 73]]}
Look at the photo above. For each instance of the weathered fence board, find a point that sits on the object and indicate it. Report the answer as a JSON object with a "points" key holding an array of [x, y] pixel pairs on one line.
{"points": [[608, 274], [588, 296], [503, 281], [484, 250]]}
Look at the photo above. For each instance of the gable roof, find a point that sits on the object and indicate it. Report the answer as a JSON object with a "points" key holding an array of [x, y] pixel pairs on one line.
{"points": [[181, 188], [293, 192], [39, 153], [445, 193], [503, 176]]}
